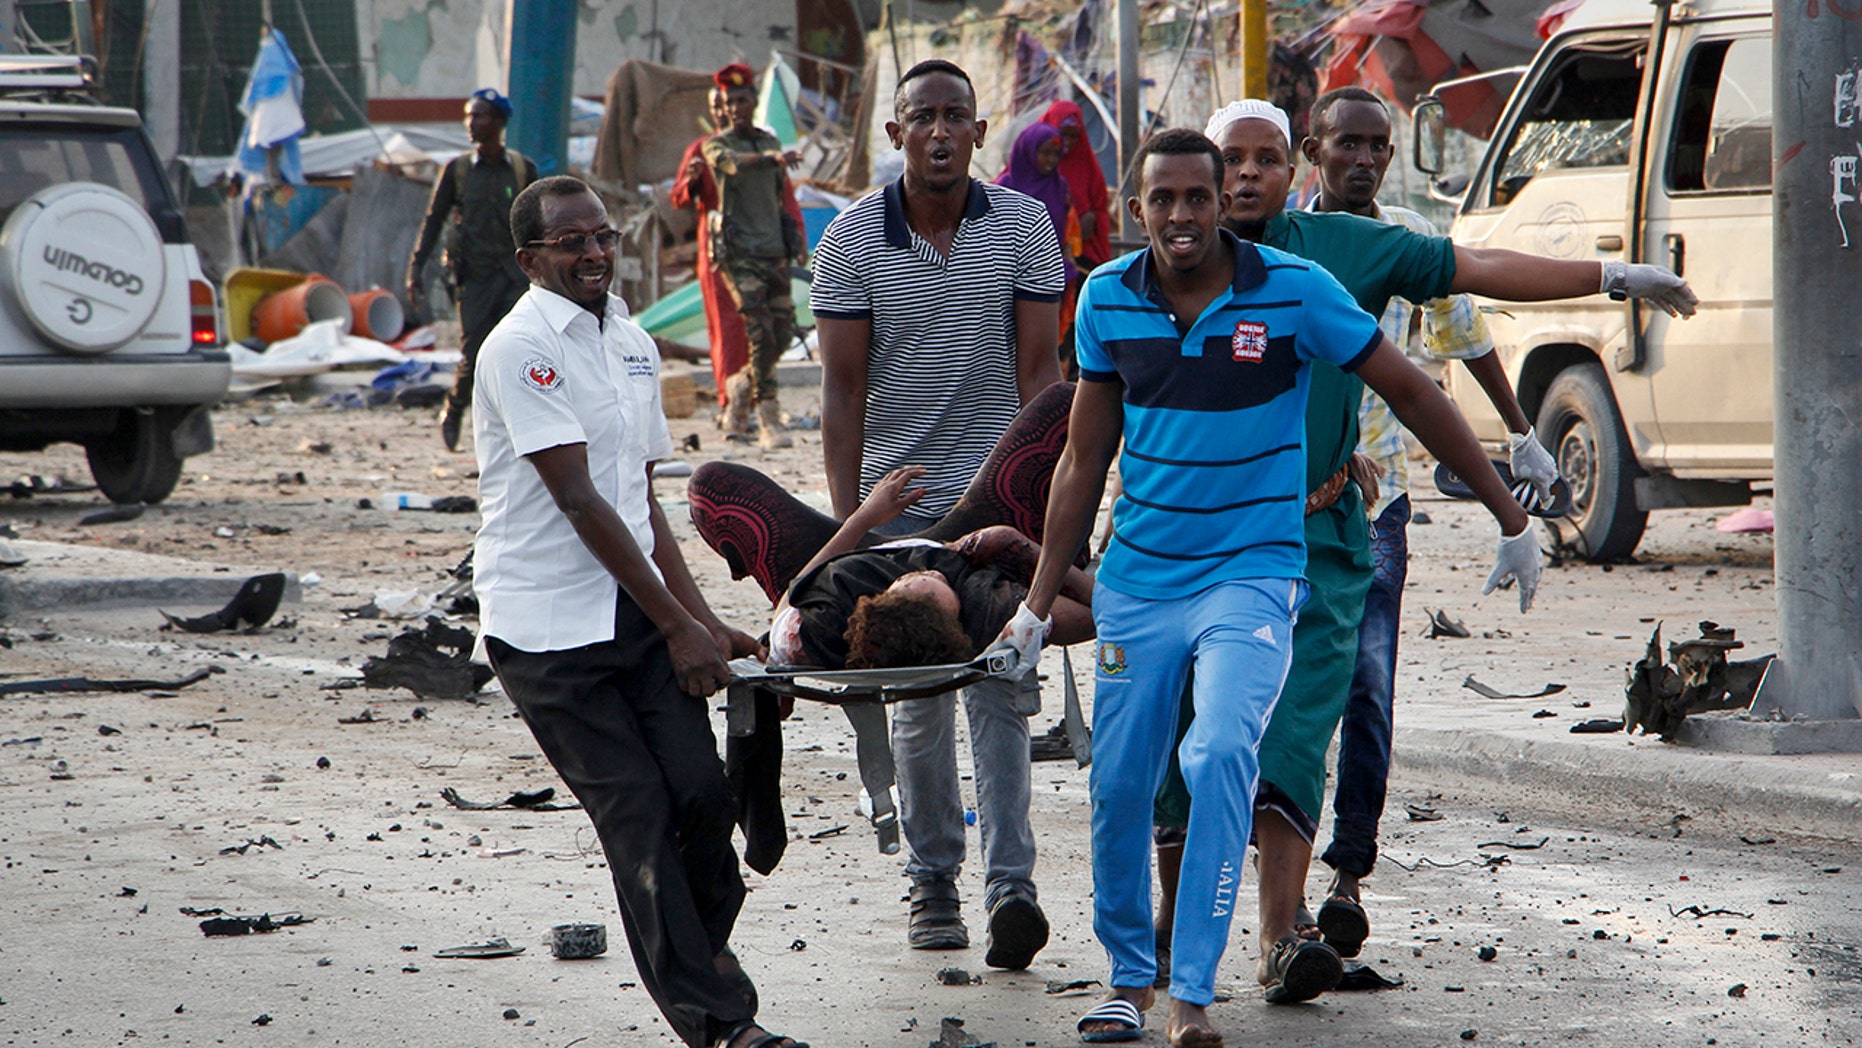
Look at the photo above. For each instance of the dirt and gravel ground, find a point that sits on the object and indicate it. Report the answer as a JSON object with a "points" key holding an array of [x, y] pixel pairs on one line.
{"points": [[121, 810]]}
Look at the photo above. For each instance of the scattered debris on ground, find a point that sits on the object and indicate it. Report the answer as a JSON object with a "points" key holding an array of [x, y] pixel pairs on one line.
{"points": [[434, 663], [254, 605], [1441, 625], [219, 922], [1365, 977], [499, 947], [1052, 744], [1488, 692], [69, 684], [951, 1034], [1660, 696], [958, 977], [115, 514], [531, 800], [576, 942]]}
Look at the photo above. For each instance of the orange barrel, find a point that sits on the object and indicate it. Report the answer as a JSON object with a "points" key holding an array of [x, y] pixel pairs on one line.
{"points": [[285, 313], [378, 315]]}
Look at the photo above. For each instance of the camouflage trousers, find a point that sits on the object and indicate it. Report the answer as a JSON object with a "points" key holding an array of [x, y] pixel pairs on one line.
{"points": [[760, 287]]}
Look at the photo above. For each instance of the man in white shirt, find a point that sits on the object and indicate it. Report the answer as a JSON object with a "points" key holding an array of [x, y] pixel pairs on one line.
{"points": [[590, 617]]}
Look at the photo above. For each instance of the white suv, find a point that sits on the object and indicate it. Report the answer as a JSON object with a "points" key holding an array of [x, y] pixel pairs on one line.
{"points": [[109, 331]]}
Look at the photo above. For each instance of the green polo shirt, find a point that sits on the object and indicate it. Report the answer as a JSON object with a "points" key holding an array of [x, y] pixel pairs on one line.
{"points": [[1374, 262]]}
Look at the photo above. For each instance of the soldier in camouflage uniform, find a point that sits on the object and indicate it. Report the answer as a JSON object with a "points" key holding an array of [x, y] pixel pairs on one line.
{"points": [[754, 245]]}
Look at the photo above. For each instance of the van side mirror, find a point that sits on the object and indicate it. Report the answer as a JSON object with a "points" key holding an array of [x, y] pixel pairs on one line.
{"points": [[1431, 136]]}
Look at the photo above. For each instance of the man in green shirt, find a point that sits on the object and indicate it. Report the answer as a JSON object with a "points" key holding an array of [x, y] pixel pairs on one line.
{"points": [[1373, 261], [754, 244]]}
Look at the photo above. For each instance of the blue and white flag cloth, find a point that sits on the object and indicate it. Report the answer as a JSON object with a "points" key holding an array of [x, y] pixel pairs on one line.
{"points": [[274, 109]]}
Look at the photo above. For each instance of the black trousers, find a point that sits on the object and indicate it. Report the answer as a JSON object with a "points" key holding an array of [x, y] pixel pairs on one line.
{"points": [[483, 300], [640, 756]]}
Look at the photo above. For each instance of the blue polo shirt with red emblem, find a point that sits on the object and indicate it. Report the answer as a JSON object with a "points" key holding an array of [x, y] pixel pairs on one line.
{"points": [[1214, 462]]}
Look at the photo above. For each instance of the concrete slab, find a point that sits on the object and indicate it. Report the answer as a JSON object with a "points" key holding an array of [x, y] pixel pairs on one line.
{"points": [[1817, 795], [59, 575], [1739, 733]]}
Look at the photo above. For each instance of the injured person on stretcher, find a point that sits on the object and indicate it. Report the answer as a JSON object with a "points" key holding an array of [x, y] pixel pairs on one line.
{"points": [[913, 601]]}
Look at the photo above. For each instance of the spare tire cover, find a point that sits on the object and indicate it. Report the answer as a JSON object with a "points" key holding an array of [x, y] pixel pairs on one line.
{"points": [[86, 265]]}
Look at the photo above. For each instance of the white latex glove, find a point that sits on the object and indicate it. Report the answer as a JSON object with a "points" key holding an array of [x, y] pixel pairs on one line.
{"points": [[1518, 558], [1658, 284], [1531, 462], [1026, 633]]}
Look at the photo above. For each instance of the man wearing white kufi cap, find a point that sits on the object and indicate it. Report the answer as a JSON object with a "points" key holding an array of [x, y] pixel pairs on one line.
{"points": [[1374, 262]]}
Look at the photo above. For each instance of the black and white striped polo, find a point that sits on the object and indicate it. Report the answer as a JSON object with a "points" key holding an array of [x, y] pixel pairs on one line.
{"points": [[941, 377]]}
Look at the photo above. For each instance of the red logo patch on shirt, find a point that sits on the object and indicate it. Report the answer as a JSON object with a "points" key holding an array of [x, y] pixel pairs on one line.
{"points": [[1250, 341], [540, 374]]}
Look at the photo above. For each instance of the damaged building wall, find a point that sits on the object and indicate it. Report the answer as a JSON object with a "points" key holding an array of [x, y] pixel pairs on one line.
{"points": [[420, 58], [986, 49]]}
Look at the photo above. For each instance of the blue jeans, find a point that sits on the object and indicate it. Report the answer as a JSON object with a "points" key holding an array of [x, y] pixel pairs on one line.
{"points": [[1364, 735], [1239, 637], [924, 748]]}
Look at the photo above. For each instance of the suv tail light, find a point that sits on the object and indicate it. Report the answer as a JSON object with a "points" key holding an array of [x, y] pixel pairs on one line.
{"points": [[200, 303]]}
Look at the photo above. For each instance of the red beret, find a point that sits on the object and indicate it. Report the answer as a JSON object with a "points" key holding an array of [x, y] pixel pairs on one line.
{"points": [[734, 75]]}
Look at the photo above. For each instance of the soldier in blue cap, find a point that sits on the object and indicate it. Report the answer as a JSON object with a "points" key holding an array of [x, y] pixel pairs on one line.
{"points": [[475, 191]]}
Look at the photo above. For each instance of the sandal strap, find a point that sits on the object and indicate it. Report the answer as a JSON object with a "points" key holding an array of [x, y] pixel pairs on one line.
{"points": [[1113, 1010]]}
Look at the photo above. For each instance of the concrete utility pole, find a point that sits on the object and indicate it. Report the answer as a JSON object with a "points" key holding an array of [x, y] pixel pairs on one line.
{"points": [[161, 76], [1817, 349], [541, 45], [1129, 113], [1256, 48]]}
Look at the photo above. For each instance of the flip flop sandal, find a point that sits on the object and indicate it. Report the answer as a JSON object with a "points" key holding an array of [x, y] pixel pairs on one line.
{"points": [[1116, 1010], [1523, 493], [1302, 970], [1343, 925]]}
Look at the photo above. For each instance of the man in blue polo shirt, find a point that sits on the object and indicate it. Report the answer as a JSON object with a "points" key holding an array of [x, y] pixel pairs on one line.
{"points": [[1197, 353]]}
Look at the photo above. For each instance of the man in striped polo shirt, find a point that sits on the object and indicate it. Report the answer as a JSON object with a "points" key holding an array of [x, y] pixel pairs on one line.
{"points": [[937, 303], [1198, 353]]}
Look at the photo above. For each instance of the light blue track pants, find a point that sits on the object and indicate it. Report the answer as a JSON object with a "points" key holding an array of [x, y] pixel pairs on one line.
{"points": [[1239, 637]]}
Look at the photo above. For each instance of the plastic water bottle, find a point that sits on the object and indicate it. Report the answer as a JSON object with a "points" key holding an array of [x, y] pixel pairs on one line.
{"points": [[866, 802], [400, 500]]}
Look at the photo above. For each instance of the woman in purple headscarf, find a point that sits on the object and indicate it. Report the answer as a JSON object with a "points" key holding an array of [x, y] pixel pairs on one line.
{"points": [[1034, 169]]}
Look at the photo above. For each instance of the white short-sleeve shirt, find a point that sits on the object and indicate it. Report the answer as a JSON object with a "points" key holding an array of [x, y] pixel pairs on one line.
{"points": [[550, 375]]}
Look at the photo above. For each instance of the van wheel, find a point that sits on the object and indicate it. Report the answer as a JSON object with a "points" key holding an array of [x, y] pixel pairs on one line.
{"points": [[137, 461], [1579, 423]]}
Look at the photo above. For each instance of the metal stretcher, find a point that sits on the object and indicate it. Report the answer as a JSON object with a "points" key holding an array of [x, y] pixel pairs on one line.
{"points": [[862, 695]]}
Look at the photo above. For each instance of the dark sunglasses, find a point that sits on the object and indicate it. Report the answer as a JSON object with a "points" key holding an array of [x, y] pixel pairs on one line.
{"points": [[576, 243]]}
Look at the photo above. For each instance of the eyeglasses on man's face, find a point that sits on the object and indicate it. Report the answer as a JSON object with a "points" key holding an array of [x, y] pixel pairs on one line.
{"points": [[576, 243]]}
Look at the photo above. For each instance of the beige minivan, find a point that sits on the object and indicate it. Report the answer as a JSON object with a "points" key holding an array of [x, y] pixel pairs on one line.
{"points": [[1640, 132]]}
